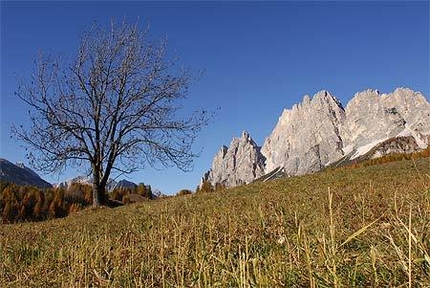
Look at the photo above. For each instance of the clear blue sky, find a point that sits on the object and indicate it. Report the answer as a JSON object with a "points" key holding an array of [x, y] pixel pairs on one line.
{"points": [[259, 57]]}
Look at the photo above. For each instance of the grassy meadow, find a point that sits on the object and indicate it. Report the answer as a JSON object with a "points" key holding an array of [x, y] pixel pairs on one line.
{"points": [[361, 227]]}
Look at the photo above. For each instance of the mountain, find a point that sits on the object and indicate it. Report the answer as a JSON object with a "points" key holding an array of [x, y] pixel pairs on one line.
{"points": [[158, 194], [20, 175], [112, 184], [372, 118], [79, 179], [131, 185], [125, 184], [319, 132], [88, 180], [306, 137], [238, 164]]}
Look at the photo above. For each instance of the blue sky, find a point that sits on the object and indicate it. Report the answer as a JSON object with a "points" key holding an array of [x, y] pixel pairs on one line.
{"points": [[258, 57]]}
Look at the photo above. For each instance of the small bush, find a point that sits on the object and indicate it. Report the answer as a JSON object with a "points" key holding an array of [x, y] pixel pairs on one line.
{"points": [[184, 192]]}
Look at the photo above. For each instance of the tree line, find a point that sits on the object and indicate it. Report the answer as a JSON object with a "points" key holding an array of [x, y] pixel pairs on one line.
{"points": [[27, 203]]}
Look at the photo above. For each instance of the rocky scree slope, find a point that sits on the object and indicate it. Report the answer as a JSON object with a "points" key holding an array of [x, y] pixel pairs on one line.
{"points": [[319, 131]]}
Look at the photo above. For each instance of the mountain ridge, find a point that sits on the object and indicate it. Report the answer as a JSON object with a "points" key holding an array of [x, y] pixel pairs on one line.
{"points": [[20, 175], [319, 131]]}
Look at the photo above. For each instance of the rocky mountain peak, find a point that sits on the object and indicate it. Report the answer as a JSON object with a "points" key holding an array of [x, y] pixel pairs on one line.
{"points": [[322, 95], [372, 118], [310, 128], [240, 163], [246, 136], [306, 99], [404, 90]]}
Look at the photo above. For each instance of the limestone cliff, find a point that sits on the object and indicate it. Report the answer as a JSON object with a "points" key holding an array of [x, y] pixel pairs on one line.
{"points": [[240, 163], [306, 137]]}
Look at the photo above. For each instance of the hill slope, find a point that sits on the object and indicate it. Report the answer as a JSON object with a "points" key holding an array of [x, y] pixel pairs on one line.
{"points": [[343, 227]]}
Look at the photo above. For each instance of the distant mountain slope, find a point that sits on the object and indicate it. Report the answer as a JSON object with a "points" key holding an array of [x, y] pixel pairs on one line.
{"points": [[125, 184], [88, 180], [20, 175]]}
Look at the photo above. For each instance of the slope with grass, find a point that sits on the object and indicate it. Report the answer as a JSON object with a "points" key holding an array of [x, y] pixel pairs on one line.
{"points": [[362, 227]]}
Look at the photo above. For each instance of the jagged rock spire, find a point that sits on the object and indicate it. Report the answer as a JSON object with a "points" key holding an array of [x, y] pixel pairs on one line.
{"points": [[240, 163]]}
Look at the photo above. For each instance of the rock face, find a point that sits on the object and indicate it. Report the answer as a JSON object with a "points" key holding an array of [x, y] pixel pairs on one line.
{"points": [[372, 118], [306, 137], [240, 163], [20, 175], [319, 131]]}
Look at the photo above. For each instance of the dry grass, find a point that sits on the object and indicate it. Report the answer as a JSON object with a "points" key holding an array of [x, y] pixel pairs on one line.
{"points": [[365, 227]]}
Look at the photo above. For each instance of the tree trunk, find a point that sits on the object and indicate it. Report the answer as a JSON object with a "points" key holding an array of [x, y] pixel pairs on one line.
{"points": [[98, 189], [97, 202]]}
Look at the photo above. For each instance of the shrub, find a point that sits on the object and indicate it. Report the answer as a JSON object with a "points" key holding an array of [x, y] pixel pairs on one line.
{"points": [[206, 187], [184, 192]]}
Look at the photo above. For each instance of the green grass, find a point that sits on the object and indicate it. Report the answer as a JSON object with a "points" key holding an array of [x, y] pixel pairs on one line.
{"points": [[364, 227]]}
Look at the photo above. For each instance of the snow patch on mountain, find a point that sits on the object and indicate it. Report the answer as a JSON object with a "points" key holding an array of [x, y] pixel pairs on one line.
{"points": [[419, 138], [366, 148]]}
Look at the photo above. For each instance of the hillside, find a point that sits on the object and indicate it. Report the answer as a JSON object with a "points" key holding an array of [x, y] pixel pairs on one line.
{"points": [[362, 227]]}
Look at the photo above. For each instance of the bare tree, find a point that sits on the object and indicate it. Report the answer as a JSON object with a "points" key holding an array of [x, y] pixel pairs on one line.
{"points": [[114, 107]]}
